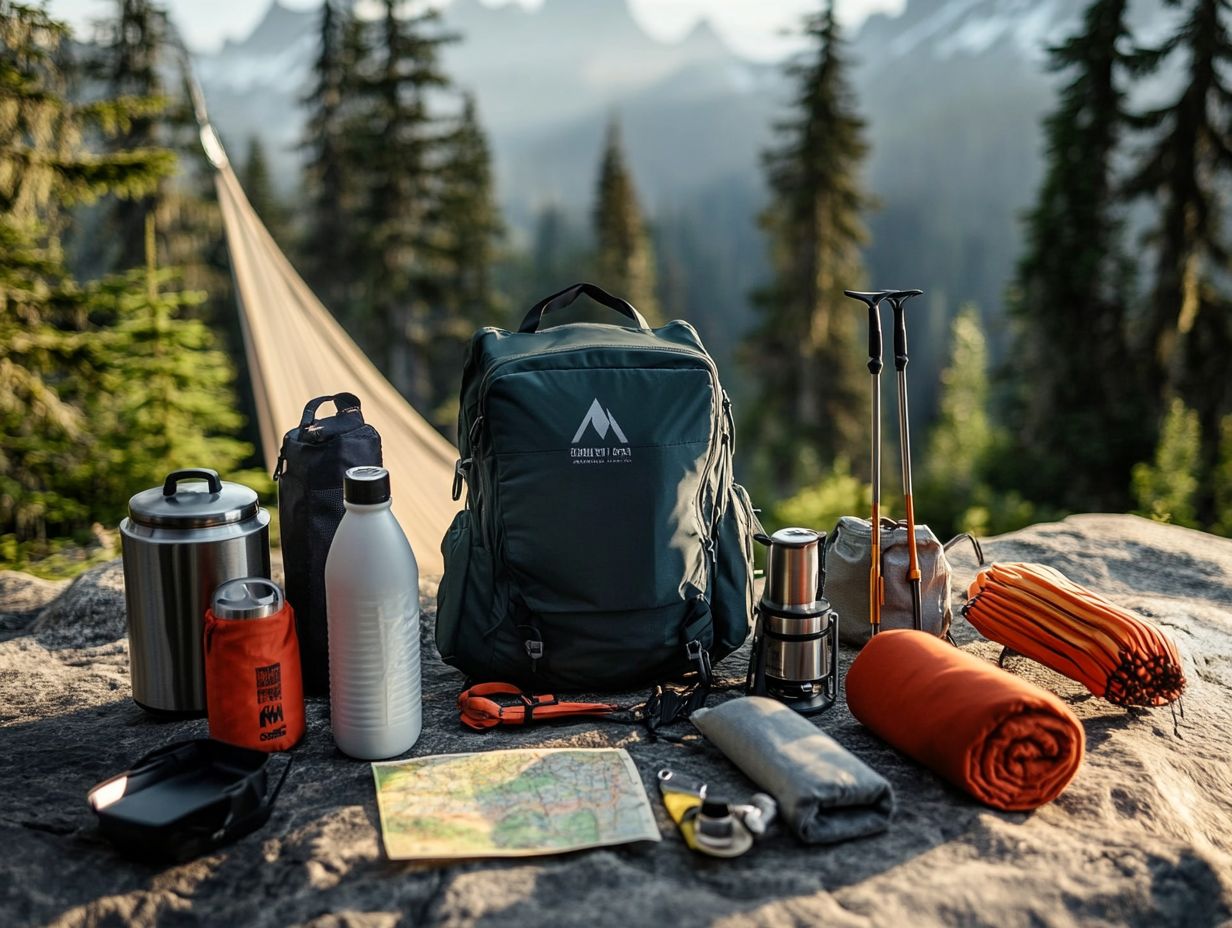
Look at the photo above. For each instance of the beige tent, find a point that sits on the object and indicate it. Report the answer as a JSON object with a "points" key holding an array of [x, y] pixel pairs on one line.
{"points": [[296, 350]]}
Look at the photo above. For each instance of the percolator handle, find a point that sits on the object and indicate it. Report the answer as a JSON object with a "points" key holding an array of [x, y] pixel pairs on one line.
{"points": [[203, 473]]}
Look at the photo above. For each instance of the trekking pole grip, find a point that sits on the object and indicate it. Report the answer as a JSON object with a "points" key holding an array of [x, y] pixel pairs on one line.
{"points": [[899, 302], [874, 339], [873, 302]]}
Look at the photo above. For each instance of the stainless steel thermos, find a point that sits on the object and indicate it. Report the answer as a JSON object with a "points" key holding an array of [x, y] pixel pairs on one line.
{"points": [[795, 645], [180, 542], [253, 687]]}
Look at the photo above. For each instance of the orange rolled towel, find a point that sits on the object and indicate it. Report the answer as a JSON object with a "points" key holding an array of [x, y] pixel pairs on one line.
{"points": [[1005, 741]]}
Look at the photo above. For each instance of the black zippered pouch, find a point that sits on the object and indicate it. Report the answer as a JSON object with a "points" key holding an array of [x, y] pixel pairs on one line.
{"points": [[314, 458]]}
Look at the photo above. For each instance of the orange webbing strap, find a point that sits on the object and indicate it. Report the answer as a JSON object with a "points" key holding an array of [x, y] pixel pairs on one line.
{"points": [[480, 710], [1040, 613]]}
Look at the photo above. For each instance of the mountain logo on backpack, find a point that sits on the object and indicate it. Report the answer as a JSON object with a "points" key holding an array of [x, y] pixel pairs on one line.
{"points": [[602, 422]]}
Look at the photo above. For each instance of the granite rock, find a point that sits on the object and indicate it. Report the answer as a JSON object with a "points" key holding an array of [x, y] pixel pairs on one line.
{"points": [[1143, 836]]}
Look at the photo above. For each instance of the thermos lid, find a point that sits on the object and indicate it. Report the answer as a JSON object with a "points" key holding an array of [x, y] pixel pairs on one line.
{"points": [[366, 486], [194, 505], [795, 537], [247, 598]]}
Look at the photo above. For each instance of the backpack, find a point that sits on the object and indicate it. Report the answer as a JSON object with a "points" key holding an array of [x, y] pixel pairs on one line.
{"points": [[314, 457], [845, 585], [604, 545]]}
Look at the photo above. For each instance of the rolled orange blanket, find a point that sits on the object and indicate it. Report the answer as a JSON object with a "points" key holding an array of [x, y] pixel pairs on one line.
{"points": [[1005, 741]]}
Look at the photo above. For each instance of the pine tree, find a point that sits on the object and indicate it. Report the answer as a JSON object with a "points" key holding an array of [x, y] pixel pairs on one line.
{"points": [[625, 262], [805, 353], [1074, 287], [399, 146], [550, 252], [46, 460], [165, 390], [128, 64], [470, 216], [1188, 324], [471, 231], [105, 385], [259, 188], [328, 181]]}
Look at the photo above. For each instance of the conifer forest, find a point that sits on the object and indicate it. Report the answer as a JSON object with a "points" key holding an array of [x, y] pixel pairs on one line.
{"points": [[1099, 383]]}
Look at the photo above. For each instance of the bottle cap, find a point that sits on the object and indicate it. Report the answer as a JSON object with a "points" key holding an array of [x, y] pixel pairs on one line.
{"points": [[247, 598], [366, 486]]}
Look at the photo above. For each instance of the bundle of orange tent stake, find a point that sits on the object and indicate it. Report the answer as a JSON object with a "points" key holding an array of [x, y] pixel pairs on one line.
{"points": [[1041, 614]]}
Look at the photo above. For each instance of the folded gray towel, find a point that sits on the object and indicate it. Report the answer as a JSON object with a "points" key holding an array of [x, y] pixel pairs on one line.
{"points": [[825, 793]]}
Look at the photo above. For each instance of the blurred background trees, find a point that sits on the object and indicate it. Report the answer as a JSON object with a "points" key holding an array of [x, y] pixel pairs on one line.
{"points": [[101, 381], [1099, 381], [805, 352]]}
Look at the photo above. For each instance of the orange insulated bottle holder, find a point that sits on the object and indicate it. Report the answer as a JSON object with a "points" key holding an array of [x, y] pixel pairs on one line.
{"points": [[253, 689]]}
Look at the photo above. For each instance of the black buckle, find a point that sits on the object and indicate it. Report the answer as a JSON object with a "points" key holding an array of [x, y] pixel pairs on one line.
{"points": [[701, 657], [459, 467]]}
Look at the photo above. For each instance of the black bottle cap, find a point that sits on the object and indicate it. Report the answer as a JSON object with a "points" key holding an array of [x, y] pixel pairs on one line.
{"points": [[366, 486]]}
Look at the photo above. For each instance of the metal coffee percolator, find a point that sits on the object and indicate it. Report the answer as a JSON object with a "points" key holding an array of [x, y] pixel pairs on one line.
{"points": [[795, 644], [180, 542]]}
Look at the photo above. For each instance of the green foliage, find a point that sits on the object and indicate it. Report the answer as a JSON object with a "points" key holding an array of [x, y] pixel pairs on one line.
{"points": [[805, 352], [1071, 298], [1223, 481], [164, 390], [819, 505], [44, 163], [963, 437], [624, 259], [41, 462], [58, 558], [106, 385], [471, 233], [1166, 489], [1184, 170], [966, 448]]}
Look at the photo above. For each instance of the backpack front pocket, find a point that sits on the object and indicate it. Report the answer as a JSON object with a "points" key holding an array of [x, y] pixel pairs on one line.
{"points": [[598, 484]]}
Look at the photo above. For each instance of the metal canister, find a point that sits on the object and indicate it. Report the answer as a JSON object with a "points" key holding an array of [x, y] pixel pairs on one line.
{"points": [[180, 542], [793, 567], [253, 686], [795, 646]]}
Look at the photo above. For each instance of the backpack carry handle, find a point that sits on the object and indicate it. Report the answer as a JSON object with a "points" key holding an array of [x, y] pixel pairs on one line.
{"points": [[343, 402], [569, 294]]}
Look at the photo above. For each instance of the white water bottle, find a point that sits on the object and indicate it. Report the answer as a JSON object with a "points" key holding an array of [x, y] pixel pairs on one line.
{"points": [[372, 606]]}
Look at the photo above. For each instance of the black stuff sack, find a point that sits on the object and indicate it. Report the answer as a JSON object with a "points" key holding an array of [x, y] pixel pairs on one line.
{"points": [[314, 458]]}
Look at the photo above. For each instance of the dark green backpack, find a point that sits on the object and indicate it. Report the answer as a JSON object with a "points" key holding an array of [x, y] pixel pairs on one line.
{"points": [[604, 545]]}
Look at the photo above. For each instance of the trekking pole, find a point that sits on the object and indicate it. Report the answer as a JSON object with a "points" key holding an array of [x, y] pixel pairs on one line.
{"points": [[876, 586], [898, 301]]}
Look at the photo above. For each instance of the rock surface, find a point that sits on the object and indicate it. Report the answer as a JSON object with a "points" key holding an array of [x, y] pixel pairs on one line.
{"points": [[1143, 836]]}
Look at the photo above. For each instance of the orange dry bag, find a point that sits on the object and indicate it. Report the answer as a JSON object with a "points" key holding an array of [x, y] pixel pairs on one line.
{"points": [[253, 690]]}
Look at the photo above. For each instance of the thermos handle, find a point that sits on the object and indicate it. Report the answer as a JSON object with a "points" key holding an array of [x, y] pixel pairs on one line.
{"points": [[343, 402], [204, 473]]}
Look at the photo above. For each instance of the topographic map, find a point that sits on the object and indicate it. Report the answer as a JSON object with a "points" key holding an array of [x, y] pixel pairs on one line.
{"points": [[511, 803]]}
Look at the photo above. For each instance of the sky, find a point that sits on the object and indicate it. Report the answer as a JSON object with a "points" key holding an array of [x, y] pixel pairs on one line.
{"points": [[753, 28]]}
